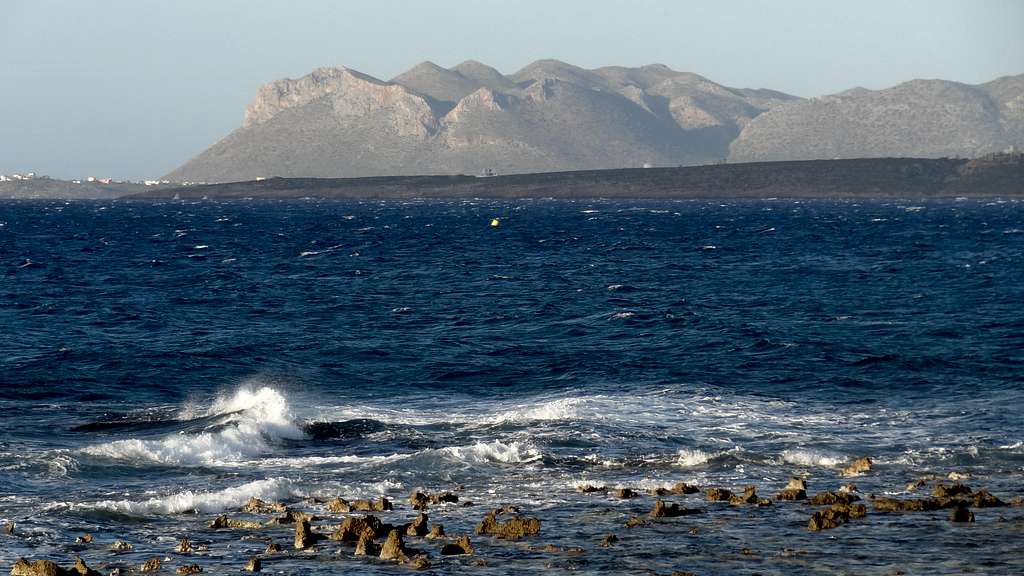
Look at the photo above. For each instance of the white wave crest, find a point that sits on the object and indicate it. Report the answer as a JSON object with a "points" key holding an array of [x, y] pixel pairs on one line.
{"points": [[812, 458], [483, 452], [257, 418], [561, 409], [203, 502], [692, 457]]}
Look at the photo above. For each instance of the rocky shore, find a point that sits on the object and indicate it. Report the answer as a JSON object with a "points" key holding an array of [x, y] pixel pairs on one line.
{"points": [[412, 534]]}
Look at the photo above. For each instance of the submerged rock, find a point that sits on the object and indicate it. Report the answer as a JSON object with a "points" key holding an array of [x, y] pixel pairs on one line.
{"points": [[857, 467], [420, 562], [460, 546], [9, 528], [635, 522], [253, 565], [961, 514], [608, 540], [684, 488], [84, 539], [590, 489], [272, 548], [982, 499], [894, 505], [512, 529]]}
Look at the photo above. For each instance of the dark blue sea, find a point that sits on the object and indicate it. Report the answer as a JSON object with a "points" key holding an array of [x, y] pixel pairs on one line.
{"points": [[162, 363]]}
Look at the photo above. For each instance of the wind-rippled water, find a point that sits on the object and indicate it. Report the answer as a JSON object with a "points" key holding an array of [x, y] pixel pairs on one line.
{"points": [[161, 363]]}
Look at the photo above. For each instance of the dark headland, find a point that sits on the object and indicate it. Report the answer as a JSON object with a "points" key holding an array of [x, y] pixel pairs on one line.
{"points": [[999, 175]]}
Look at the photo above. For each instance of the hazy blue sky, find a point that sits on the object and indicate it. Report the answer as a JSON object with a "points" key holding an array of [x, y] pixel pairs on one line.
{"points": [[133, 88]]}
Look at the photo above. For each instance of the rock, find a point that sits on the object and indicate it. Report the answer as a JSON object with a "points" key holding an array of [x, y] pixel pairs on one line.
{"points": [[982, 499], [419, 500], [791, 494], [121, 546], [590, 489], [304, 536], [717, 495], [849, 488], [460, 546], [851, 510], [272, 548], [353, 527], [608, 540], [625, 493], [895, 505], [826, 520], [381, 505], [419, 563], [635, 522], [38, 568], [943, 491], [84, 539], [223, 521], [1017, 501], [512, 529], [338, 506], [394, 548], [189, 569], [436, 531], [9, 528], [958, 475], [915, 484], [81, 569], [659, 491], [662, 510], [857, 467], [184, 546], [253, 565], [684, 488], [444, 498], [417, 527], [366, 546], [290, 517], [961, 514], [796, 483], [749, 497], [151, 565], [829, 498], [257, 506]]}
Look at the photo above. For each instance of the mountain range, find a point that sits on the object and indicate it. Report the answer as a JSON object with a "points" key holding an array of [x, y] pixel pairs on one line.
{"points": [[553, 116]]}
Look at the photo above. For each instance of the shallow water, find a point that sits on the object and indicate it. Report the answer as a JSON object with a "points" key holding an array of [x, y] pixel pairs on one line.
{"points": [[162, 363]]}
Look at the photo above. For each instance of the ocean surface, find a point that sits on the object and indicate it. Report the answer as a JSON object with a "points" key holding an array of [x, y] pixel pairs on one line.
{"points": [[161, 363]]}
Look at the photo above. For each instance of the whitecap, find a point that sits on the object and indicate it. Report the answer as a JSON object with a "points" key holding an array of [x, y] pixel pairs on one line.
{"points": [[688, 457], [802, 457], [199, 501]]}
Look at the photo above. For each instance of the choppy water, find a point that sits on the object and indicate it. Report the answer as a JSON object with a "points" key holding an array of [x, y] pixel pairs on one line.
{"points": [[162, 363]]}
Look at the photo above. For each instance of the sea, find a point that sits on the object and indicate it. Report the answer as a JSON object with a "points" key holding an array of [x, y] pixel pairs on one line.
{"points": [[161, 363]]}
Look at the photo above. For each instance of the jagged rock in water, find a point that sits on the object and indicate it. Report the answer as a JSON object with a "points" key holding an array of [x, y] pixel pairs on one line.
{"points": [[151, 565], [291, 517], [749, 497], [609, 540], [189, 569], [684, 488], [961, 514], [418, 527], [419, 563], [826, 520], [715, 494], [512, 529], [894, 505], [338, 505], [223, 521], [944, 491], [353, 527], [444, 498], [625, 493], [272, 548], [82, 569], [851, 510], [436, 531], [253, 565], [419, 500], [257, 506], [23, 567], [635, 522], [982, 499], [9, 528], [121, 546], [662, 510], [381, 505], [365, 546], [394, 548], [84, 539], [304, 536], [590, 489], [857, 467], [461, 545], [828, 498], [184, 546]]}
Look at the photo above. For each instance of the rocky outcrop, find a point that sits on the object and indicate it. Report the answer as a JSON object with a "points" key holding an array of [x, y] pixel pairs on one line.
{"points": [[461, 545], [257, 506], [857, 467], [512, 529], [663, 510], [394, 548]]}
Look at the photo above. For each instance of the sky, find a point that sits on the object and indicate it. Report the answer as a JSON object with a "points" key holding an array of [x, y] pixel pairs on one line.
{"points": [[131, 89]]}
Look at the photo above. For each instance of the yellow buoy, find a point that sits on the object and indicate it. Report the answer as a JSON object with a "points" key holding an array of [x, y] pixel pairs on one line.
{"points": [[495, 222]]}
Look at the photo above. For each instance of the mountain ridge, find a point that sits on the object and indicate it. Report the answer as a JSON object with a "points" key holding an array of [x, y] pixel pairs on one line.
{"points": [[554, 116]]}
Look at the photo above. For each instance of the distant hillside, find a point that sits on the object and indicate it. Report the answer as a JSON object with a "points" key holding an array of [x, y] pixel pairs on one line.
{"points": [[553, 116], [927, 118]]}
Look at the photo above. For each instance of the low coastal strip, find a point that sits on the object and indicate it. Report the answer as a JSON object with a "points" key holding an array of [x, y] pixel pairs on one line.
{"points": [[418, 534]]}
